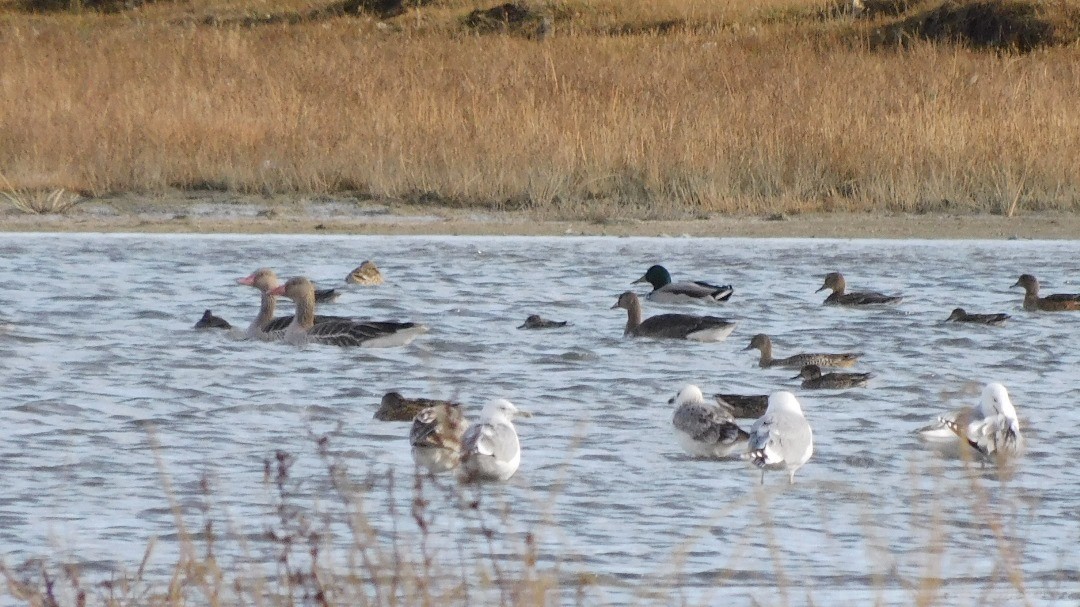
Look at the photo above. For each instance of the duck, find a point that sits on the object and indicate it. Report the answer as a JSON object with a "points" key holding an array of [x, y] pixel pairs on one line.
{"points": [[704, 429], [813, 379], [671, 326], [396, 408], [835, 281], [762, 342], [959, 315], [266, 326], [991, 427], [782, 438], [340, 332], [1058, 302], [665, 291], [490, 450], [365, 274], [535, 321], [436, 436], [209, 321]]}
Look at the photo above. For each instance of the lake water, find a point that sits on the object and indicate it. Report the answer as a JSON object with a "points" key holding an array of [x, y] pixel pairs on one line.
{"points": [[99, 364]]}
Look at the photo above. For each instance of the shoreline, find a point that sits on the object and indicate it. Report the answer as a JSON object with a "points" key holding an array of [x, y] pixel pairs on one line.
{"points": [[219, 213]]}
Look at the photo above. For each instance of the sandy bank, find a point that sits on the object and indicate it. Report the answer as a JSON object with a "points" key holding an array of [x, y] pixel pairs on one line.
{"points": [[229, 213]]}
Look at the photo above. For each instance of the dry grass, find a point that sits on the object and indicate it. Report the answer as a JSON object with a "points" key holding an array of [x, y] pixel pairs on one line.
{"points": [[661, 109], [39, 202]]}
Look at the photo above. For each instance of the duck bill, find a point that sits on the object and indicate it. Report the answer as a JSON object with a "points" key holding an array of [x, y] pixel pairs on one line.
{"points": [[1016, 284], [750, 347], [799, 376], [614, 306], [823, 287], [640, 280]]}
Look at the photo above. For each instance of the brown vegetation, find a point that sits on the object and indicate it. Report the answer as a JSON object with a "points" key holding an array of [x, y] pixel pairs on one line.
{"points": [[658, 109]]}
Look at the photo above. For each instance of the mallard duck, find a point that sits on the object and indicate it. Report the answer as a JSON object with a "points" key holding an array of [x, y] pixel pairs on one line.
{"points": [[436, 436], [782, 438], [798, 361], [959, 315], [365, 274], [704, 429], [535, 321], [490, 450], [835, 281], [209, 321], [665, 291], [1059, 302], [671, 326], [813, 379], [343, 332], [396, 408], [991, 427]]}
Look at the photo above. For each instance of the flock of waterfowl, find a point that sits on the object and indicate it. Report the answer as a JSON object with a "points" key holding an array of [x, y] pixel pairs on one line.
{"points": [[781, 438]]}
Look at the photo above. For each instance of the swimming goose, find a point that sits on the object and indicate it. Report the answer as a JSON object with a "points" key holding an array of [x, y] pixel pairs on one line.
{"points": [[959, 315], [396, 408], [266, 326], [209, 321], [436, 436], [704, 429], [835, 281], [1051, 303], [813, 379], [535, 321], [490, 450], [338, 332], [782, 438], [365, 274], [665, 291], [798, 361], [672, 326], [991, 427]]}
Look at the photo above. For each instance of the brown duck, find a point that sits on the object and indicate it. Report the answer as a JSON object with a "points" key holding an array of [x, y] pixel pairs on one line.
{"points": [[396, 408], [813, 379], [1051, 303], [959, 315], [835, 281], [798, 361], [671, 326]]}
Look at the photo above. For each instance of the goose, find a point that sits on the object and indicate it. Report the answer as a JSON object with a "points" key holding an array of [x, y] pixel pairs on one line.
{"points": [[266, 326], [491, 450], [671, 326], [835, 281], [338, 332], [436, 435], [705, 429], [959, 315], [782, 438], [665, 291], [762, 342], [813, 379], [1051, 303]]}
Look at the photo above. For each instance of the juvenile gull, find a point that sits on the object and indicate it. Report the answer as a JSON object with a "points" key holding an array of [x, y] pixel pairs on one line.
{"points": [[671, 326], [490, 450], [745, 406], [835, 281], [991, 427], [782, 438], [698, 291], [436, 436], [704, 429]]}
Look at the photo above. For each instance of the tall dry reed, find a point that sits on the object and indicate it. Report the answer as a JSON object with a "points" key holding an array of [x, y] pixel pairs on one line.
{"points": [[731, 111]]}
